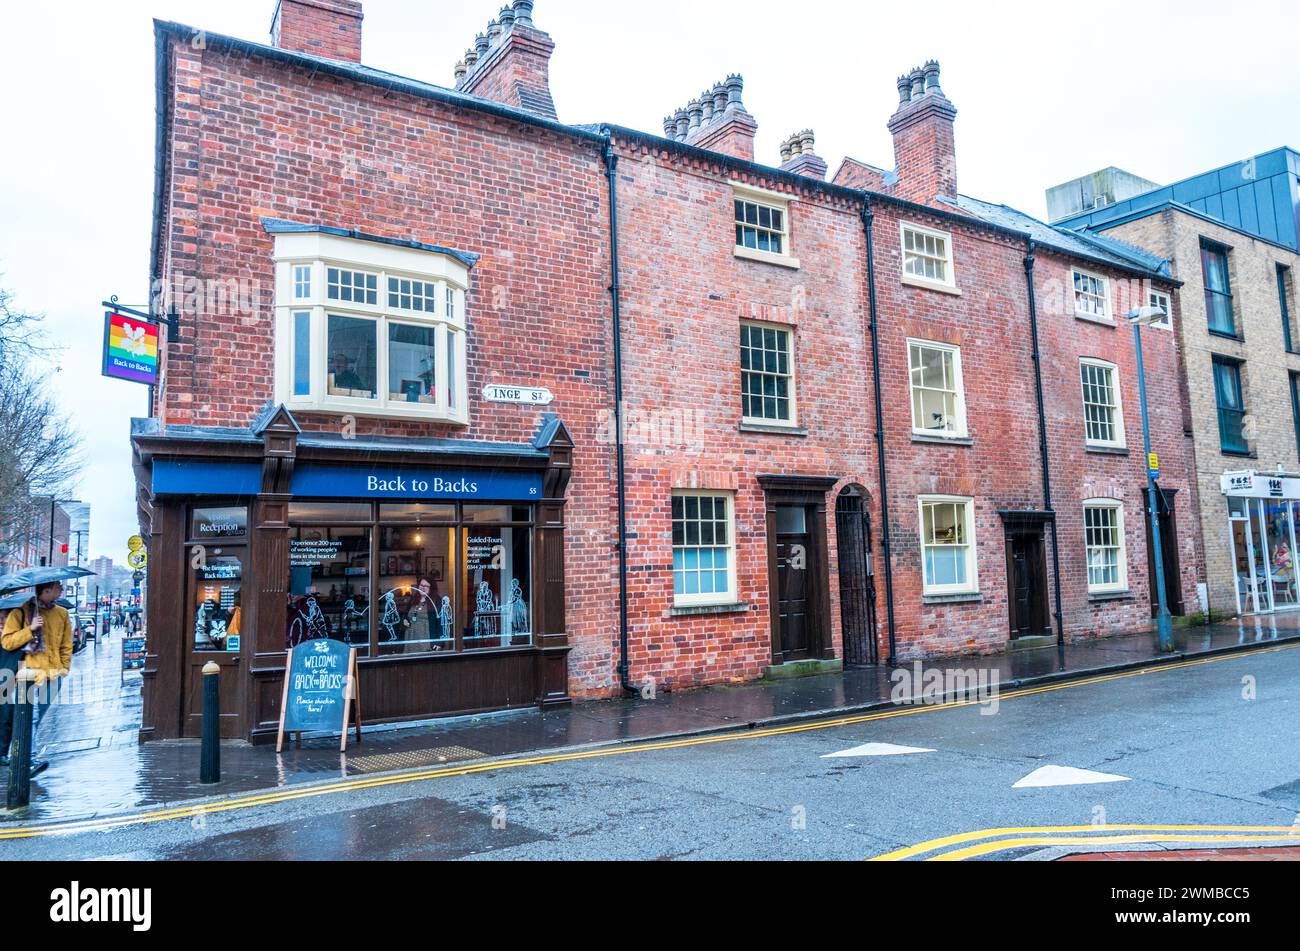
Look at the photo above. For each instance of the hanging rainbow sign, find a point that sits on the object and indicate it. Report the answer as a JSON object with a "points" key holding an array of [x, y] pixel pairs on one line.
{"points": [[130, 349]]}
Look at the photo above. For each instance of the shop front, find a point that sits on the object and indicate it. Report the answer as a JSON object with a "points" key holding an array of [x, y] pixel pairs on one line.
{"points": [[441, 562], [1263, 517]]}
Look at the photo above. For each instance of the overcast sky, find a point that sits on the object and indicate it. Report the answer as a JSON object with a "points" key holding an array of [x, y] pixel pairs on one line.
{"points": [[1045, 92]]}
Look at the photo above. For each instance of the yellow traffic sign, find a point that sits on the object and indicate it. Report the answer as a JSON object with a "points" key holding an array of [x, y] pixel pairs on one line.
{"points": [[135, 543], [137, 559], [1153, 461]]}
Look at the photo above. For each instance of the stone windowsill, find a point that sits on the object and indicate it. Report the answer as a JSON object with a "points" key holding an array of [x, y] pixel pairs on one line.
{"points": [[1112, 596], [943, 440], [767, 257], [911, 280], [963, 598], [1107, 450], [691, 610], [772, 429], [1094, 319]]}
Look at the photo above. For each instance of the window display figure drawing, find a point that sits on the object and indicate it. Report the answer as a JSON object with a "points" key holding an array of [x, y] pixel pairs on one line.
{"points": [[353, 620], [308, 621], [445, 618], [391, 617], [487, 613], [517, 609]]}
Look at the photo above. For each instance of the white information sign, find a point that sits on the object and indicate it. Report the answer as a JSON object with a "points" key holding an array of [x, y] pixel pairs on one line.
{"points": [[527, 395]]}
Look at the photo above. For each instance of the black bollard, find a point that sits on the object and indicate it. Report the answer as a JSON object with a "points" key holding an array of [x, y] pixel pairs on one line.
{"points": [[210, 758], [20, 764]]}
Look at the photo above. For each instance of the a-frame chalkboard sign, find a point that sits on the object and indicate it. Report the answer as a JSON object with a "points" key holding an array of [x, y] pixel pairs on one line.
{"points": [[321, 692]]}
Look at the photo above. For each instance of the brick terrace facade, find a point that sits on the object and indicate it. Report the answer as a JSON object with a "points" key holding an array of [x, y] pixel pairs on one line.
{"points": [[258, 134]]}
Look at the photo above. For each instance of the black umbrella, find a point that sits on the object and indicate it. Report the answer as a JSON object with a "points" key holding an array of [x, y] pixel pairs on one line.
{"points": [[31, 577]]}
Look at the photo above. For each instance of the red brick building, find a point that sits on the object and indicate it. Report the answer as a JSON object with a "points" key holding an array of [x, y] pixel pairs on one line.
{"points": [[357, 258]]}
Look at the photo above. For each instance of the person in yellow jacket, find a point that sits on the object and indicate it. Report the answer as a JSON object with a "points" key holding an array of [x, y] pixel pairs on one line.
{"points": [[41, 632]]}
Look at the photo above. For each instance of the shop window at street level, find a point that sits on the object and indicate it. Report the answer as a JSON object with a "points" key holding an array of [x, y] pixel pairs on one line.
{"points": [[497, 587], [329, 585], [216, 606], [416, 612]]}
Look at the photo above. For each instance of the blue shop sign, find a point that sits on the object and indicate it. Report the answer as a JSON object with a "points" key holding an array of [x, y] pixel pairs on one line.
{"points": [[176, 477], [386, 481]]}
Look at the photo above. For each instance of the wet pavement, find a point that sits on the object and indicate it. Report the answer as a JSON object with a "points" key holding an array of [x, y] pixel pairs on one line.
{"points": [[97, 769]]}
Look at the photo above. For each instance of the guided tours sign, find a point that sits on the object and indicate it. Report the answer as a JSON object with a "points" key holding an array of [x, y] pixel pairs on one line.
{"points": [[320, 691]]}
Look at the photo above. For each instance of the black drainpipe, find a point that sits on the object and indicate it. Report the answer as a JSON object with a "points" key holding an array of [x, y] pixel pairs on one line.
{"points": [[611, 165], [868, 217], [1042, 440]]}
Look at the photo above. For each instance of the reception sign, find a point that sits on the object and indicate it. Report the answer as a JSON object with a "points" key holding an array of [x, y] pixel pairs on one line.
{"points": [[130, 349], [320, 691]]}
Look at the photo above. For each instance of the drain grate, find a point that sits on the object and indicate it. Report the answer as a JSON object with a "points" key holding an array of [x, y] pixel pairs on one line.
{"points": [[438, 756]]}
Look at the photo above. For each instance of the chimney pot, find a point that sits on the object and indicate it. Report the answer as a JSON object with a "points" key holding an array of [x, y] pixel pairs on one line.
{"points": [[904, 90], [683, 120], [931, 70], [493, 32], [785, 151], [507, 18], [719, 99], [523, 12], [706, 107], [695, 111], [481, 45], [806, 141], [918, 84], [471, 57], [735, 86], [460, 72]]}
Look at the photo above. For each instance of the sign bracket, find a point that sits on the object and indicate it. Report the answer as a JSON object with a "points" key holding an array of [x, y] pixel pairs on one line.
{"points": [[172, 321]]}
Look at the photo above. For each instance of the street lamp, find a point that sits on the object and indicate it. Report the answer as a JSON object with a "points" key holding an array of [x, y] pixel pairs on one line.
{"points": [[1164, 625]]}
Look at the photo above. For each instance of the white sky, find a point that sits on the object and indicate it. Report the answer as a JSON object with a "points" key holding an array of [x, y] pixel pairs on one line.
{"points": [[1045, 91]]}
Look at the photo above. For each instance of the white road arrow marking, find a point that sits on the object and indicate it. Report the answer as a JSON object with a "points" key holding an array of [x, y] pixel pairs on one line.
{"points": [[876, 749], [1066, 776]]}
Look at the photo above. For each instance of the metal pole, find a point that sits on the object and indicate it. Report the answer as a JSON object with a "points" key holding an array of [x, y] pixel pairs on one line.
{"points": [[1164, 626], [20, 765], [210, 755]]}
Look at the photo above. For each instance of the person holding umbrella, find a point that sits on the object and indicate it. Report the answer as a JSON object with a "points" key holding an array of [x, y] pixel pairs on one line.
{"points": [[37, 635]]}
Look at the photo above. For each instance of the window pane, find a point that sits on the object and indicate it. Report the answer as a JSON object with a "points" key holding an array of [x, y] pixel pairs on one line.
{"points": [[329, 585], [353, 357], [302, 353], [301, 513], [416, 613], [498, 513], [411, 360], [229, 522], [217, 604], [417, 512], [452, 397], [498, 587]]}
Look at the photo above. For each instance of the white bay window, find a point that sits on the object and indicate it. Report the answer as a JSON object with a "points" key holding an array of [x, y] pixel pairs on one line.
{"points": [[369, 328]]}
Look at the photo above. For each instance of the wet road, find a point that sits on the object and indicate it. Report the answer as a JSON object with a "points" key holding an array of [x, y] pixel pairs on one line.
{"points": [[1210, 743]]}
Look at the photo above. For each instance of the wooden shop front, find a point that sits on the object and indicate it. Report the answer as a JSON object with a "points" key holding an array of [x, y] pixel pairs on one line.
{"points": [[441, 561]]}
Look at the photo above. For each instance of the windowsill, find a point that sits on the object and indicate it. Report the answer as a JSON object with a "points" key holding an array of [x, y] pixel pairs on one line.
{"points": [[911, 280], [360, 407], [1223, 334], [1108, 450], [943, 440], [1246, 454], [693, 610], [1094, 319], [772, 429], [767, 257], [959, 598], [1125, 595]]}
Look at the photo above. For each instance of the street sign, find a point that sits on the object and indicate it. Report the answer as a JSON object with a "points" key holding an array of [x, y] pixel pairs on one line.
{"points": [[130, 349], [135, 543], [137, 577], [527, 395], [1153, 464], [137, 559]]}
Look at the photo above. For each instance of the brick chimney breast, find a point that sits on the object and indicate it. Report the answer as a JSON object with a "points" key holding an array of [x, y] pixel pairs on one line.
{"points": [[510, 62], [329, 28], [717, 120], [925, 149]]}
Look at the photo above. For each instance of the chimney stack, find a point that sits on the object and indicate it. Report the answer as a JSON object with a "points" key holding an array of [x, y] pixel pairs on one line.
{"points": [[925, 151], [797, 156], [510, 62], [717, 120], [329, 28]]}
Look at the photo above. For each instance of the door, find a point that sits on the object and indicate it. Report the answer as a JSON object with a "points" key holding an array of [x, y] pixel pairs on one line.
{"points": [[1168, 554], [214, 633], [793, 547], [857, 580], [1026, 584]]}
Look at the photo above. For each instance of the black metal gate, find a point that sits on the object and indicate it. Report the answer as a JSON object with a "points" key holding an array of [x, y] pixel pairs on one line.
{"points": [[857, 580]]}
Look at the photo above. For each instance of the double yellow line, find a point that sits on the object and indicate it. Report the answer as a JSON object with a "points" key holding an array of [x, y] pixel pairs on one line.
{"points": [[956, 848], [292, 793]]}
